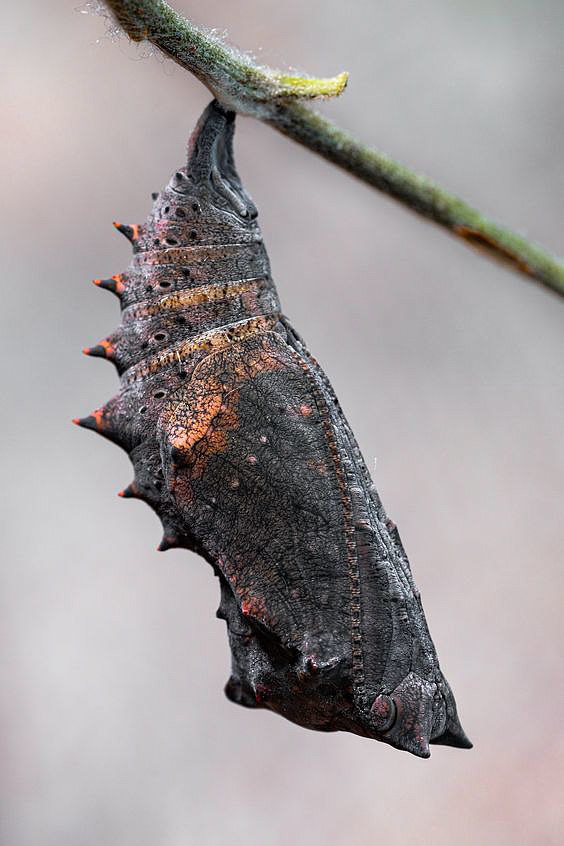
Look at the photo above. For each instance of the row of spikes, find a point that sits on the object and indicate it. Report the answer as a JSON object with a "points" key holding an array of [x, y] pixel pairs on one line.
{"points": [[98, 422], [116, 285], [171, 539], [101, 420]]}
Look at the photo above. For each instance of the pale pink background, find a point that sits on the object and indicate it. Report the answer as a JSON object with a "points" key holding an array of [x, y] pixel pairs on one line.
{"points": [[114, 727]]}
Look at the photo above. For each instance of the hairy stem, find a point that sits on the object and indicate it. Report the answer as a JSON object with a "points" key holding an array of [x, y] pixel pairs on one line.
{"points": [[276, 98]]}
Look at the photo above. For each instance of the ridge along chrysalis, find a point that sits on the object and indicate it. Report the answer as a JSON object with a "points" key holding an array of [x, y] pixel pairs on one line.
{"points": [[239, 444]]}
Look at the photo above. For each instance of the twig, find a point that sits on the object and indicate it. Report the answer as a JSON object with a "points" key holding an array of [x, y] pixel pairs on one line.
{"points": [[275, 98]]}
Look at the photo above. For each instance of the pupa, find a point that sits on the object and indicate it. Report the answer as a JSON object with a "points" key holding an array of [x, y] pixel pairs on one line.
{"points": [[239, 444]]}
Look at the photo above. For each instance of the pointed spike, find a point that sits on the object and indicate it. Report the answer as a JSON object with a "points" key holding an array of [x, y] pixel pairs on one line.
{"points": [[449, 738], [97, 352], [130, 232], [89, 422], [115, 285], [420, 748], [124, 229], [408, 724], [170, 540], [130, 492], [102, 350], [453, 735], [241, 695], [101, 421]]}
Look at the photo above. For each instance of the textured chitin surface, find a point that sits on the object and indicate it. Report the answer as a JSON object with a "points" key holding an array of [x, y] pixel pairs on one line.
{"points": [[239, 444]]}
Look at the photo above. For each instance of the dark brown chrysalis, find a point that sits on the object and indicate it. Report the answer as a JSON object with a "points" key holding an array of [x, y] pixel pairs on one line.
{"points": [[239, 444]]}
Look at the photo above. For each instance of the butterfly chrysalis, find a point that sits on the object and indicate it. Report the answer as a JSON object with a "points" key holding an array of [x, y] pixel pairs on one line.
{"points": [[239, 444]]}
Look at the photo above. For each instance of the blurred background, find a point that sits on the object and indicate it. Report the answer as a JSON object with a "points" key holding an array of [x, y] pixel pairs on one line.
{"points": [[114, 726]]}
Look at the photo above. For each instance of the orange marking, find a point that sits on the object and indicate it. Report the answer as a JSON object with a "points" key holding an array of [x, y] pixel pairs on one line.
{"points": [[209, 342], [120, 287], [203, 412], [107, 347], [130, 491], [254, 606], [201, 429], [203, 294]]}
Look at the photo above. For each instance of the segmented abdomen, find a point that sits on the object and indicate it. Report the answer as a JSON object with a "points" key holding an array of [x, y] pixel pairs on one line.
{"points": [[198, 280]]}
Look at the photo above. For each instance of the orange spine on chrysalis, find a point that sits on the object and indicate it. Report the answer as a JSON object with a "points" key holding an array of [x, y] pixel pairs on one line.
{"points": [[130, 492], [131, 232], [102, 421], [103, 349], [115, 284]]}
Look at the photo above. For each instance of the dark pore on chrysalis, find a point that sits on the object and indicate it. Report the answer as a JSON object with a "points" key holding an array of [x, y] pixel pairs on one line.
{"points": [[239, 444]]}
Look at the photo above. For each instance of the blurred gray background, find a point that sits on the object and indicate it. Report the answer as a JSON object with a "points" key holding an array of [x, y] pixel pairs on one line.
{"points": [[114, 726]]}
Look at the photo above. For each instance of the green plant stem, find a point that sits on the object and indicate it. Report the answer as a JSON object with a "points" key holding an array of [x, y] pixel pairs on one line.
{"points": [[277, 99]]}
